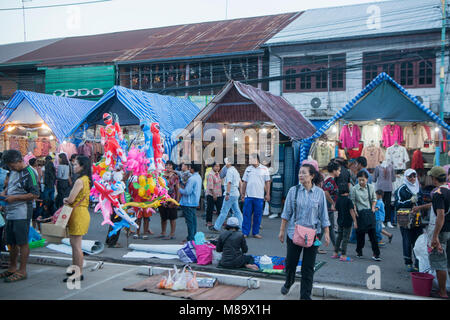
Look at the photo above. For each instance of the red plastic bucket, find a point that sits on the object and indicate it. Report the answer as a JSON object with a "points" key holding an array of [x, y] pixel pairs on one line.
{"points": [[422, 283]]}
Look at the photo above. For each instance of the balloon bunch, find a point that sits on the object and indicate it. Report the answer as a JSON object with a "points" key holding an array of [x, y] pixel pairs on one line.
{"points": [[137, 163], [147, 187]]}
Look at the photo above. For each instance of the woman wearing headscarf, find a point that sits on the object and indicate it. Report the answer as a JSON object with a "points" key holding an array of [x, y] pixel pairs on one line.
{"points": [[409, 196]]}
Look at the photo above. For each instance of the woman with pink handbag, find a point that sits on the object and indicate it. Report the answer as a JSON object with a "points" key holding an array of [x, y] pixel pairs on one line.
{"points": [[304, 215]]}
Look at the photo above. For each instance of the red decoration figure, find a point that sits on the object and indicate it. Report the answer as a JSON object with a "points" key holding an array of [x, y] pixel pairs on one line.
{"points": [[158, 148], [109, 141]]}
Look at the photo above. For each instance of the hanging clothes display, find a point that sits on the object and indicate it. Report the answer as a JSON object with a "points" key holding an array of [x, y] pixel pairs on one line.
{"points": [[85, 149], [392, 134], [371, 134], [68, 148], [417, 160], [323, 153], [350, 136], [374, 156], [356, 152], [384, 176], [23, 145], [397, 156], [414, 136]]}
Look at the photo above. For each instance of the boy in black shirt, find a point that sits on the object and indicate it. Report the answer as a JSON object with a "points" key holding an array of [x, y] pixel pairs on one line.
{"points": [[439, 259], [346, 216]]}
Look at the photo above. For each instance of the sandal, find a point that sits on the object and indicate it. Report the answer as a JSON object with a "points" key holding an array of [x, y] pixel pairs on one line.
{"points": [[437, 295], [136, 236], [161, 236], [335, 256], [321, 251], [15, 277], [144, 237], [6, 274], [169, 238], [348, 259]]}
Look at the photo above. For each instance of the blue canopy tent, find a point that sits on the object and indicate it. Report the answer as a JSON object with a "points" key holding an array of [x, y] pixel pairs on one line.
{"points": [[384, 99], [132, 106], [58, 113]]}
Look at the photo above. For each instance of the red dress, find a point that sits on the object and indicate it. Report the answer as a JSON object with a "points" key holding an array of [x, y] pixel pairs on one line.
{"points": [[417, 160]]}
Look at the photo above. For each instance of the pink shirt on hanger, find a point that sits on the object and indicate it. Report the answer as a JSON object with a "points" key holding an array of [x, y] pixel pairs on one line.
{"points": [[391, 134], [350, 137]]}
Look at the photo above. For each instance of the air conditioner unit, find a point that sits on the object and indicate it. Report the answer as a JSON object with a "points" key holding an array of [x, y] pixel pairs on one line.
{"points": [[316, 103]]}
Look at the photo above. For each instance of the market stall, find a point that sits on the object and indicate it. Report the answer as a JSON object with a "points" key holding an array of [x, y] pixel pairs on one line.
{"points": [[383, 122], [130, 107], [39, 123], [242, 116]]}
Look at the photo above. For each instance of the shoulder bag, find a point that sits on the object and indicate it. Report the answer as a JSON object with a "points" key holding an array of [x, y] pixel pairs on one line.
{"points": [[303, 236], [366, 218]]}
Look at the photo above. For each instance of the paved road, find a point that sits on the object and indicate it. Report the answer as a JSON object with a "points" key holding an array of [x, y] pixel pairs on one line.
{"points": [[45, 283], [394, 277]]}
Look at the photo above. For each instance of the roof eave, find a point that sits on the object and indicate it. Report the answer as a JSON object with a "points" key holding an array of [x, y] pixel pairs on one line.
{"points": [[357, 37], [216, 55]]}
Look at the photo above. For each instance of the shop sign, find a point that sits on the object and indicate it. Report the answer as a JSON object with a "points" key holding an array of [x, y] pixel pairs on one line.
{"points": [[84, 92]]}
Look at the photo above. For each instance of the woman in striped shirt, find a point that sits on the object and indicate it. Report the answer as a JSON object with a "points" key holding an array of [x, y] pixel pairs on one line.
{"points": [[311, 212]]}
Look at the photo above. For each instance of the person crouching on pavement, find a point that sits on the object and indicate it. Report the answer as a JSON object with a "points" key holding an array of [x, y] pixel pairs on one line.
{"points": [[234, 246]]}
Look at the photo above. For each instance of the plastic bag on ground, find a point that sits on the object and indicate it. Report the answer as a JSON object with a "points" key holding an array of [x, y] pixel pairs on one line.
{"points": [[217, 256]]}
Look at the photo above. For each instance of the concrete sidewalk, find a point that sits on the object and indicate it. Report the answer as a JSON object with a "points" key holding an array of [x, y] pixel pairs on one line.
{"points": [[105, 281], [394, 278]]}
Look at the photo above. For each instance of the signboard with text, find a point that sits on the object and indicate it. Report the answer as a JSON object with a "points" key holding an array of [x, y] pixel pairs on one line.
{"points": [[80, 82]]}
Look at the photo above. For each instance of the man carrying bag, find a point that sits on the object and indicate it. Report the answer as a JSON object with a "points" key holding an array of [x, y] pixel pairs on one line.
{"points": [[363, 196]]}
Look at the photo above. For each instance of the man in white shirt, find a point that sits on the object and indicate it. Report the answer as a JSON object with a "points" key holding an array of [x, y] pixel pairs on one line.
{"points": [[232, 183], [256, 182]]}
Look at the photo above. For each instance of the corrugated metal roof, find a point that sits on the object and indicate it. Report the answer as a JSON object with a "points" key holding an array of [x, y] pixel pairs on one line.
{"points": [[59, 113], [13, 50], [198, 39], [361, 20], [288, 120]]}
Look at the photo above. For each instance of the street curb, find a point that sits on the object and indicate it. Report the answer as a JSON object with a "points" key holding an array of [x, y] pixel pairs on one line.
{"points": [[319, 289], [352, 293], [54, 261]]}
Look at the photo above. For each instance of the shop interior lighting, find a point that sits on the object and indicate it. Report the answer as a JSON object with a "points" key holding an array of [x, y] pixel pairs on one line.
{"points": [[264, 130], [51, 138], [224, 130], [44, 127], [436, 129], [378, 119], [334, 129], [11, 128]]}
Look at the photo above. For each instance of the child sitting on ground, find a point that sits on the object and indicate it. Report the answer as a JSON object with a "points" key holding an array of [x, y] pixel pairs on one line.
{"points": [[234, 246], [379, 217], [346, 217]]}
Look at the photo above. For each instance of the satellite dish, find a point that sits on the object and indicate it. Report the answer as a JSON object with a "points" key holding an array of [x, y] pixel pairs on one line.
{"points": [[316, 103]]}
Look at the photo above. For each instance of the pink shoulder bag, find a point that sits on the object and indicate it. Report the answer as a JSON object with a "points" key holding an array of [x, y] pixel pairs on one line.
{"points": [[303, 236]]}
